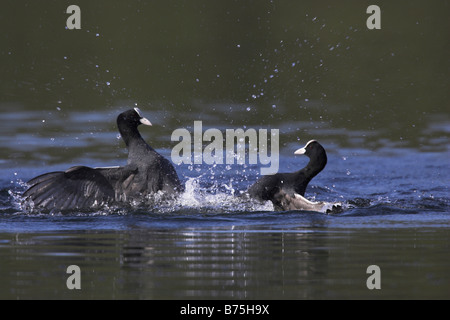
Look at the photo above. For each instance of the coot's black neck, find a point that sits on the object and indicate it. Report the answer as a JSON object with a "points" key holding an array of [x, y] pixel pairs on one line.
{"points": [[130, 134], [314, 166]]}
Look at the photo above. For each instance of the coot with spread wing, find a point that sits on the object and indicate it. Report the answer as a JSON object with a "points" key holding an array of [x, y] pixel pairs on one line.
{"points": [[81, 187]]}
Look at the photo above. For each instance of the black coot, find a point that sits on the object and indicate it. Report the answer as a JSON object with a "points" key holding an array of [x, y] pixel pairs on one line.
{"points": [[80, 187], [286, 190]]}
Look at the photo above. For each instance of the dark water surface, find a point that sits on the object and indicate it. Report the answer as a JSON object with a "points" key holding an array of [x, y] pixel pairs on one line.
{"points": [[211, 244], [376, 100]]}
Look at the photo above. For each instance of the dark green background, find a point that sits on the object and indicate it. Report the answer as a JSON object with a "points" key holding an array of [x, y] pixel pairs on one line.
{"points": [[280, 60]]}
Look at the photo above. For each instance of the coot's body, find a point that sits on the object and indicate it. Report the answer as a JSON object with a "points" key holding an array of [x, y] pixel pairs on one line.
{"points": [[81, 187], [282, 188]]}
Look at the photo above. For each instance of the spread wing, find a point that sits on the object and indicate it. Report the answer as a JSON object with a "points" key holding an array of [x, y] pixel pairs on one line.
{"points": [[78, 187]]}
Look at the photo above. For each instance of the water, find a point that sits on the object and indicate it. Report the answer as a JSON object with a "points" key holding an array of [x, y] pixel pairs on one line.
{"points": [[378, 103], [211, 244]]}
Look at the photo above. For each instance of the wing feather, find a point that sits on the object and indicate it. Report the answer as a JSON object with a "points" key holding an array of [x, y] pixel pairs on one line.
{"points": [[76, 188]]}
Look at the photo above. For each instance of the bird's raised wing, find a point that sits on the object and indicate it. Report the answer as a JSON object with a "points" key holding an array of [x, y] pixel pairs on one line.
{"points": [[75, 188]]}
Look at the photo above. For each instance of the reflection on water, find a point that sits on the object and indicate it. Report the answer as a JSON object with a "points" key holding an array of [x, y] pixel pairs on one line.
{"points": [[237, 264]]}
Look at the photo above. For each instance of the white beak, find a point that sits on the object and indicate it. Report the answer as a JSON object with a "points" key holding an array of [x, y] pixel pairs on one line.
{"points": [[303, 150], [145, 121]]}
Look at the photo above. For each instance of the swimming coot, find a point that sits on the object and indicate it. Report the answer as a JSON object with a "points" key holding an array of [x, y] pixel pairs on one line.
{"points": [[287, 190], [81, 187]]}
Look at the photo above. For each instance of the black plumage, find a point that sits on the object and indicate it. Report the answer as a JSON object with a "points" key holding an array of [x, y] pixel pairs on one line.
{"points": [[80, 187], [283, 188]]}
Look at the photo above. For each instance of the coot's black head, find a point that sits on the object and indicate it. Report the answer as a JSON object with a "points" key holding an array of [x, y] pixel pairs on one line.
{"points": [[132, 118], [127, 122], [315, 152]]}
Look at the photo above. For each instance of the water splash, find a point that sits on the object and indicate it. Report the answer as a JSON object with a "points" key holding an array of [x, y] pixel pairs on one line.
{"points": [[196, 199], [223, 196], [207, 199]]}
